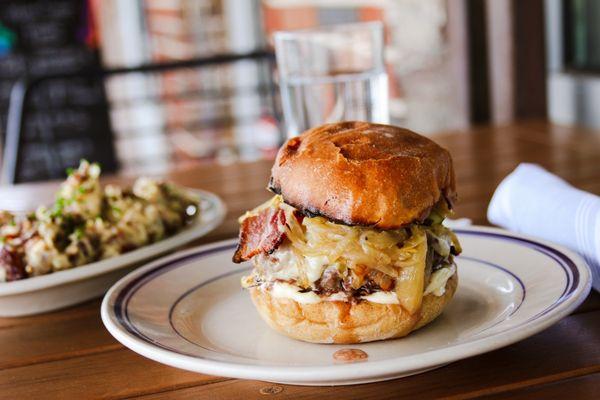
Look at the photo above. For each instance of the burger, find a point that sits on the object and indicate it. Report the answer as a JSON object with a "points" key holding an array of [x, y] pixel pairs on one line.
{"points": [[351, 248]]}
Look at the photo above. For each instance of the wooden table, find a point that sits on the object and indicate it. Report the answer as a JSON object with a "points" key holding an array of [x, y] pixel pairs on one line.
{"points": [[68, 354]]}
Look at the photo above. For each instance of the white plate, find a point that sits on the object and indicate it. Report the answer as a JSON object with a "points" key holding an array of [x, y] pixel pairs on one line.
{"points": [[65, 288], [188, 311]]}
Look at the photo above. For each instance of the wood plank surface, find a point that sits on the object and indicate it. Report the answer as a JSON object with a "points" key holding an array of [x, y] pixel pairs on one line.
{"points": [[121, 373], [110, 374], [583, 387], [517, 366], [69, 354]]}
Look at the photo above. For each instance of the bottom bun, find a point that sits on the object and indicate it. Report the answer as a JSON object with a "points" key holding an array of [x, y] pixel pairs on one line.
{"points": [[342, 322]]}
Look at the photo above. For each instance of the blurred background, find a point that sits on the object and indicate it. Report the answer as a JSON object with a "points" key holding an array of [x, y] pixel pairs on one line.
{"points": [[146, 86]]}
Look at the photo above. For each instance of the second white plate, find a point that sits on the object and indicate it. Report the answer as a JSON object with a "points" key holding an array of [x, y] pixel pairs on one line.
{"points": [[65, 288], [188, 311]]}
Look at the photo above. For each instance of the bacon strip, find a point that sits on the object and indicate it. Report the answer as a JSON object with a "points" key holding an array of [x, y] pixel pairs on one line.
{"points": [[261, 233], [13, 265]]}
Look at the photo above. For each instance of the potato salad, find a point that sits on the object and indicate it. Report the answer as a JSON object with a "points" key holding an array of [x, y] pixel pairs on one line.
{"points": [[88, 222]]}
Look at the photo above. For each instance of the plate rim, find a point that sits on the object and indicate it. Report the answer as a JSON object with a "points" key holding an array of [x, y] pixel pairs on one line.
{"points": [[198, 229], [348, 373]]}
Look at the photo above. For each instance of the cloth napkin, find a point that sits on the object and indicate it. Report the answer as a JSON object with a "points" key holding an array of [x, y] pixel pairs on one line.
{"points": [[533, 201]]}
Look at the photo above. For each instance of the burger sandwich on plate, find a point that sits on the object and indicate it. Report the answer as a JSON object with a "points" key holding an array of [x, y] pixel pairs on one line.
{"points": [[351, 248]]}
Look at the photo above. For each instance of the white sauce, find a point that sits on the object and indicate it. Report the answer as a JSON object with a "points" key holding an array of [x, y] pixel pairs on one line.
{"points": [[339, 296], [382, 298], [283, 290]]}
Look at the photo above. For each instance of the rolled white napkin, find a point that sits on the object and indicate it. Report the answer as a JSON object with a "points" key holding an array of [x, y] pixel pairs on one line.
{"points": [[533, 201]]}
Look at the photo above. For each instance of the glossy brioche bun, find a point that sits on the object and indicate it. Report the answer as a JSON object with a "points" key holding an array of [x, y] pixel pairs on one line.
{"points": [[341, 322], [359, 173]]}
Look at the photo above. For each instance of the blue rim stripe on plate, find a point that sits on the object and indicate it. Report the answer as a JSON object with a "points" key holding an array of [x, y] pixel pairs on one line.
{"points": [[122, 301], [568, 266], [121, 311], [193, 289], [506, 271]]}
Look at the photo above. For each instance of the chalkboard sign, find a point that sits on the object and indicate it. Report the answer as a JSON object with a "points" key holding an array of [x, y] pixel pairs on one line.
{"points": [[67, 119]]}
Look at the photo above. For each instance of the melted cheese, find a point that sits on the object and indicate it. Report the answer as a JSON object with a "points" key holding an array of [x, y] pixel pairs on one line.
{"points": [[285, 265], [437, 284], [314, 267]]}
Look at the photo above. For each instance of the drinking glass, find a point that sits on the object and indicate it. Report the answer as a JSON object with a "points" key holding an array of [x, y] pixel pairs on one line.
{"points": [[332, 73]]}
